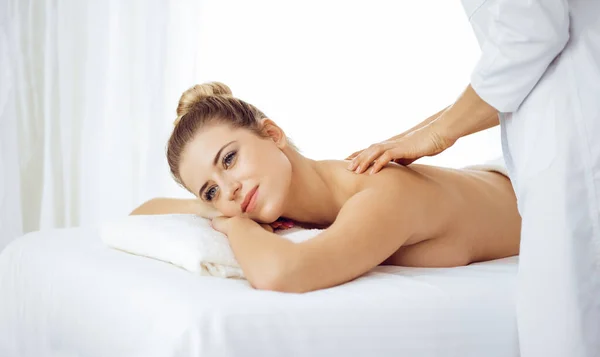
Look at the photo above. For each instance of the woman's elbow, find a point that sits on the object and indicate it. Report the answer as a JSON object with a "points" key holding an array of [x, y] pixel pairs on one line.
{"points": [[283, 275], [275, 284], [150, 207], [143, 208], [280, 284]]}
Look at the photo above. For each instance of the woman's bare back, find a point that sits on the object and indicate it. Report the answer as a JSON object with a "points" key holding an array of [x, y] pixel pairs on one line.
{"points": [[468, 215], [463, 216]]}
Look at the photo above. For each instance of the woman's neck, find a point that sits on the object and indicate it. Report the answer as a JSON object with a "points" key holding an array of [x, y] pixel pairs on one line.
{"points": [[311, 197]]}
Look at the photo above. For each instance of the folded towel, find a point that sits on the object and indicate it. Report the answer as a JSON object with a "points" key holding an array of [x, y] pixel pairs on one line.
{"points": [[496, 165], [185, 240]]}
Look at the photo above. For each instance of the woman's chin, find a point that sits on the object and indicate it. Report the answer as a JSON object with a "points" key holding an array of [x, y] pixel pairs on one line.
{"points": [[266, 219], [268, 214]]}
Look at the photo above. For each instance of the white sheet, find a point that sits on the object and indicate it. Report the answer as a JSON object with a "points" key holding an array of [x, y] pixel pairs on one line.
{"points": [[63, 293]]}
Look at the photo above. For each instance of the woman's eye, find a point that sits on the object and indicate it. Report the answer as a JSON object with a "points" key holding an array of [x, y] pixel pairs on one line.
{"points": [[210, 193], [228, 159]]}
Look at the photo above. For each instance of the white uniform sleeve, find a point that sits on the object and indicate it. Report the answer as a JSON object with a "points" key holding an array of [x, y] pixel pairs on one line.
{"points": [[523, 38]]}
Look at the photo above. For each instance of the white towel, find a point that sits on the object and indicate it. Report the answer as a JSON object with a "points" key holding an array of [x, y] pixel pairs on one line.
{"points": [[495, 165], [184, 240]]}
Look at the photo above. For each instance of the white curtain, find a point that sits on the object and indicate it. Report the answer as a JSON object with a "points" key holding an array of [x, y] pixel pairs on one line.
{"points": [[88, 89], [10, 204], [92, 88]]}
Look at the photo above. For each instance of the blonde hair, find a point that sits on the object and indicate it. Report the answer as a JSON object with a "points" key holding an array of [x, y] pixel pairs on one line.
{"points": [[206, 103]]}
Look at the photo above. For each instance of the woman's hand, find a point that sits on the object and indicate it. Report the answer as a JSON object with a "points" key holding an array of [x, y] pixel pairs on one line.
{"points": [[428, 140]]}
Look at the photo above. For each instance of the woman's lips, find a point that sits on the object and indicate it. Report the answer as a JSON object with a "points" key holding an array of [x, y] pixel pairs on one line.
{"points": [[250, 200], [252, 203]]}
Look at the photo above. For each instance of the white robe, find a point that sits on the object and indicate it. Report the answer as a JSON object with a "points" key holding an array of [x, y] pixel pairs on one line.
{"points": [[540, 67]]}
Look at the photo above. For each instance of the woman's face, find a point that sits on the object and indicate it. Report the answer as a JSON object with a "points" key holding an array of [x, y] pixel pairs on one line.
{"points": [[238, 173]]}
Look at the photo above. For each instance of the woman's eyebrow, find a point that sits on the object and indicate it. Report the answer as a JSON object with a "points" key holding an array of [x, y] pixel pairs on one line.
{"points": [[215, 164], [219, 152]]}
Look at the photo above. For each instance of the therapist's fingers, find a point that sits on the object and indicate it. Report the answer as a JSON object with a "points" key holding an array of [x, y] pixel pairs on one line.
{"points": [[355, 154], [420, 143], [363, 160], [423, 142], [404, 162], [381, 161], [389, 156]]}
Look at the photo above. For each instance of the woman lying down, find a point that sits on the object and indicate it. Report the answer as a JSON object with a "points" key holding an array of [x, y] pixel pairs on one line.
{"points": [[247, 175]]}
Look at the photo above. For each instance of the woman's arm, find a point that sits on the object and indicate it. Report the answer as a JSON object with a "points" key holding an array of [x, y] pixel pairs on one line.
{"points": [[366, 232], [170, 206]]}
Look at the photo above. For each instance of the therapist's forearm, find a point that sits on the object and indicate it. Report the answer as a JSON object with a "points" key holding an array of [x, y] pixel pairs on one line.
{"points": [[424, 122], [468, 115]]}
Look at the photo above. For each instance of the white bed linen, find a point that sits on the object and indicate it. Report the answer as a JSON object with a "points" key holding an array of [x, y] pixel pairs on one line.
{"points": [[63, 293]]}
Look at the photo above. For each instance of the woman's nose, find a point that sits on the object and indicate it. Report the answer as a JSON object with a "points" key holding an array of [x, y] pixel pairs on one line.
{"points": [[233, 190]]}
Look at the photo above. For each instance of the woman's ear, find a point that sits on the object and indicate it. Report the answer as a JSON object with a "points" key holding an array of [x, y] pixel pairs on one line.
{"points": [[271, 130]]}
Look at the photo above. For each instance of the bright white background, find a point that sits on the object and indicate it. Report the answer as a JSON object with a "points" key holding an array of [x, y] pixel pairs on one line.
{"points": [[88, 89], [341, 75]]}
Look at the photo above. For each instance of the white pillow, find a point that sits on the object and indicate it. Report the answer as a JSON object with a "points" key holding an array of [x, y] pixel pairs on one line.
{"points": [[185, 240]]}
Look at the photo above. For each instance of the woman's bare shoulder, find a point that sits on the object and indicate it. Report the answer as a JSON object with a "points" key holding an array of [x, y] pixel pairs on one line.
{"points": [[392, 174], [398, 184]]}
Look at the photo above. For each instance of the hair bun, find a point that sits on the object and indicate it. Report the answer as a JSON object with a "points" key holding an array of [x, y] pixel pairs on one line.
{"points": [[197, 93]]}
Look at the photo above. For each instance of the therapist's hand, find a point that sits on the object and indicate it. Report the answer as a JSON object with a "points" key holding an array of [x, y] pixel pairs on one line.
{"points": [[468, 115], [428, 140]]}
